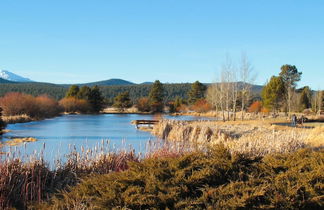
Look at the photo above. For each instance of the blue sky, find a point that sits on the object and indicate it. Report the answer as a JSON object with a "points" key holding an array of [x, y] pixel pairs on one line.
{"points": [[66, 41]]}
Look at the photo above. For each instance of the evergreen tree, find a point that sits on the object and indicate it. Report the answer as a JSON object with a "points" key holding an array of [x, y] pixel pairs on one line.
{"points": [[95, 99], [305, 98], [2, 124], [122, 101], [84, 93], [156, 97], [73, 91], [197, 92], [273, 93], [290, 76]]}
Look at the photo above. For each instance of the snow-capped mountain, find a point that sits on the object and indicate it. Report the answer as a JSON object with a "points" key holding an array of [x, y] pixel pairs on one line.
{"points": [[7, 75]]}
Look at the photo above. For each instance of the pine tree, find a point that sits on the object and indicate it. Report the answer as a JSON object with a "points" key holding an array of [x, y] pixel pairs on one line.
{"points": [[290, 76], [305, 98], [156, 97], [84, 93], [95, 99], [273, 93], [122, 101], [197, 92], [73, 91]]}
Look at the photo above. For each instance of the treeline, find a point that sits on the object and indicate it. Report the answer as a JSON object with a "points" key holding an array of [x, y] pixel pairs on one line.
{"points": [[84, 100], [281, 94], [156, 100], [109, 92], [34, 89]]}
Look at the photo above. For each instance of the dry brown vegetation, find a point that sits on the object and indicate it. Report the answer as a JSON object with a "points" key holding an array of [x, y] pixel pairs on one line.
{"points": [[17, 119], [20, 104], [249, 137], [34, 181], [75, 105]]}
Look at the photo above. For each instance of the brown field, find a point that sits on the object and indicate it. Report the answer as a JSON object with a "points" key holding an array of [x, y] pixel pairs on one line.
{"points": [[254, 137]]}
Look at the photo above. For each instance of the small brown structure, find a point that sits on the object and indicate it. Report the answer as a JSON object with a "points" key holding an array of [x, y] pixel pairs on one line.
{"points": [[144, 122]]}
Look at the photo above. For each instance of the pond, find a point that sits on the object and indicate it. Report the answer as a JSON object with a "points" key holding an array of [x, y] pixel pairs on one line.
{"points": [[58, 135]]}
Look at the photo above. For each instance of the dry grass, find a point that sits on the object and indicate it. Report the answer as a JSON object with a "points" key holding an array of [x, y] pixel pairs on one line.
{"points": [[17, 119], [34, 181], [316, 137], [252, 137]]}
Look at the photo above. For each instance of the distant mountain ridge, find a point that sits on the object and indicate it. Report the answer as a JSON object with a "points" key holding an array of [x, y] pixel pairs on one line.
{"points": [[7, 75], [109, 82]]}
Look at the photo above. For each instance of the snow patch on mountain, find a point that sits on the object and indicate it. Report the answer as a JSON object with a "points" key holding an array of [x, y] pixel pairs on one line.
{"points": [[4, 74]]}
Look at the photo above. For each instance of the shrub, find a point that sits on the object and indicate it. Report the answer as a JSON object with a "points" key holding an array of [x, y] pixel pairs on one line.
{"points": [[13, 103], [255, 107], [74, 105], [143, 105], [265, 110], [214, 179], [35, 107], [48, 106], [201, 105]]}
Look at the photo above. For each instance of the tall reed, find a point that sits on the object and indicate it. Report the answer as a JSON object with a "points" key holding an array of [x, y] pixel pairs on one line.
{"points": [[29, 179]]}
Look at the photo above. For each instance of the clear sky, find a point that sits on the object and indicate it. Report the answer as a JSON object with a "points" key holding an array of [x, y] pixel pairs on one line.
{"points": [[66, 41]]}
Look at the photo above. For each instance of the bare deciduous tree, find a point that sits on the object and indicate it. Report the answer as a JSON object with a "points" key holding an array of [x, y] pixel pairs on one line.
{"points": [[223, 94], [247, 79], [317, 101]]}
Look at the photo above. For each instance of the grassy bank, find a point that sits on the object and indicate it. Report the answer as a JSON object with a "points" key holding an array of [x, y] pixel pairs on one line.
{"points": [[248, 137], [17, 119]]}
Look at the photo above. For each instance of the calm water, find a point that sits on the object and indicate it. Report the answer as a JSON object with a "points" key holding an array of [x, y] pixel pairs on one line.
{"points": [[61, 133]]}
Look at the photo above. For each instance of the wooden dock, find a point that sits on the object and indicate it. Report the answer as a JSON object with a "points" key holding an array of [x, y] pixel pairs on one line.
{"points": [[144, 122]]}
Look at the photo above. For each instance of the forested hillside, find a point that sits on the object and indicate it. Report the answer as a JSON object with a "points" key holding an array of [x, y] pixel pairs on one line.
{"points": [[34, 89], [111, 91], [58, 91]]}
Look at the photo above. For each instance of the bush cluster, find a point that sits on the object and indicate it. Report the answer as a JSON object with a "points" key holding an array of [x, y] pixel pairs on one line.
{"points": [[36, 107], [201, 106], [74, 105], [83, 100], [215, 179]]}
